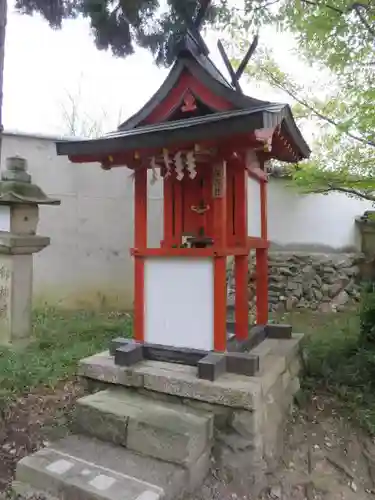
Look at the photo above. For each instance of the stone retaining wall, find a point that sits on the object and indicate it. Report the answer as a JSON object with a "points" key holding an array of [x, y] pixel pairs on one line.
{"points": [[324, 282]]}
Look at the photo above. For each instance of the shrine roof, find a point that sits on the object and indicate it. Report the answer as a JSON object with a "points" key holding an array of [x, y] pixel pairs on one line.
{"points": [[220, 109], [190, 130], [192, 59]]}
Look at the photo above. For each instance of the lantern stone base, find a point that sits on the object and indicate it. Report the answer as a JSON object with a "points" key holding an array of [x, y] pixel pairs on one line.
{"points": [[16, 283], [162, 417]]}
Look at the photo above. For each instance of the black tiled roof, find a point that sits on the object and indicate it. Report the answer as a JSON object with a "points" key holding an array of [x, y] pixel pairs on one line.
{"points": [[190, 129]]}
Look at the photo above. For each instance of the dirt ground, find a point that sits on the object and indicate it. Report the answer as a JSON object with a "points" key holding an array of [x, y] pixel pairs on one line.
{"points": [[325, 456], [31, 423]]}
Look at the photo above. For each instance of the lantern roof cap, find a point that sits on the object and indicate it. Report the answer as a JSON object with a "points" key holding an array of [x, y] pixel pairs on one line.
{"points": [[16, 186]]}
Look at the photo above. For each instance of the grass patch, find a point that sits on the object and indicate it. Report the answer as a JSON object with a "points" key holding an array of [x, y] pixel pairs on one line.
{"points": [[338, 363], [336, 360], [62, 338]]}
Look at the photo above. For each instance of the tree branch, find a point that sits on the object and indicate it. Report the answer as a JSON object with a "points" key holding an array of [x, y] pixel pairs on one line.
{"points": [[357, 7], [317, 113], [354, 192]]}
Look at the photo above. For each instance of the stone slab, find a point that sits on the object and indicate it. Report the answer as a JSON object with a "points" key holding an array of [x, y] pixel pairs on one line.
{"points": [[212, 366], [85, 469], [158, 429], [101, 367], [237, 391], [233, 390]]}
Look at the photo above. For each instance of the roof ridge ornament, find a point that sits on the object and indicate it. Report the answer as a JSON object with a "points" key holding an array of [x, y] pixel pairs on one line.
{"points": [[236, 75]]}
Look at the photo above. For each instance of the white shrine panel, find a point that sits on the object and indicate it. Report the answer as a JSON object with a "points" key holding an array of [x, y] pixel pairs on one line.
{"points": [[4, 218], [254, 212], [179, 302]]}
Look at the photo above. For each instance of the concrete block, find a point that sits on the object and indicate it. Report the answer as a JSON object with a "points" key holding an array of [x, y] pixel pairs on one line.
{"points": [[86, 469], [152, 428], [129, 354], [279, 331], [116, 343], [101, 367], [212, 366], [180, 437], [222, 414], [232, 390], [272, 370], [248, 423], [94, 417], [236, 391], [242, 363]]}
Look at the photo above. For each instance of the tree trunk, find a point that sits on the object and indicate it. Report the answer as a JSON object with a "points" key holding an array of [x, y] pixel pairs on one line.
{"points": [[3, 21]]}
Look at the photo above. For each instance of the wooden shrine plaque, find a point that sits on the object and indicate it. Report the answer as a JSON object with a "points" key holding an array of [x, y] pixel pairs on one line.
{"points": [[218, 180]]}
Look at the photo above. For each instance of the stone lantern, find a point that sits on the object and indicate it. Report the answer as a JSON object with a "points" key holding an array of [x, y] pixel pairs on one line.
{"points": [[19, 215]]}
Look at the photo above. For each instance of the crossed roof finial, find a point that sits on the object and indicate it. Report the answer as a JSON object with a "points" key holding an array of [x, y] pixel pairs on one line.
{"points": [[193, 29], [236, 75]]}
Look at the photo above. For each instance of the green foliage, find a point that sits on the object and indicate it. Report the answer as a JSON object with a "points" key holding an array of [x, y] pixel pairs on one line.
{"points": [[335, 39], [340, 362], [335, 365], [61, 340], [367, 316]]}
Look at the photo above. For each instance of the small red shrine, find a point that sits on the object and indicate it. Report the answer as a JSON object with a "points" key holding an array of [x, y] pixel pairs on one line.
{"points": [[210, 145]]}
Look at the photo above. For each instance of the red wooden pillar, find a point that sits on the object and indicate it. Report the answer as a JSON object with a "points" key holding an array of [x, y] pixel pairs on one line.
{"points": [[220, 262], [262, 262], [241, 261], [140, 243]]}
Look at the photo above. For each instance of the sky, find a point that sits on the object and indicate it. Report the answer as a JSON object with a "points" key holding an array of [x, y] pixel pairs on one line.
{"points": [[43, 67]]}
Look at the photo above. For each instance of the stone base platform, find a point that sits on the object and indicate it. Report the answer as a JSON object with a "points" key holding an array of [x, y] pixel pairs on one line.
{"points": [[176, 424]]}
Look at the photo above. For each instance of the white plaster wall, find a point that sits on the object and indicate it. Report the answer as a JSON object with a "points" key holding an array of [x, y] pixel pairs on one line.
{"points": [[88, 262], [315, 221]]}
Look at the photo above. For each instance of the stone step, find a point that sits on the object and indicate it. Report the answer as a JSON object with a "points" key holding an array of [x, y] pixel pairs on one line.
{"points": [[151, 427], [81, 468]]}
